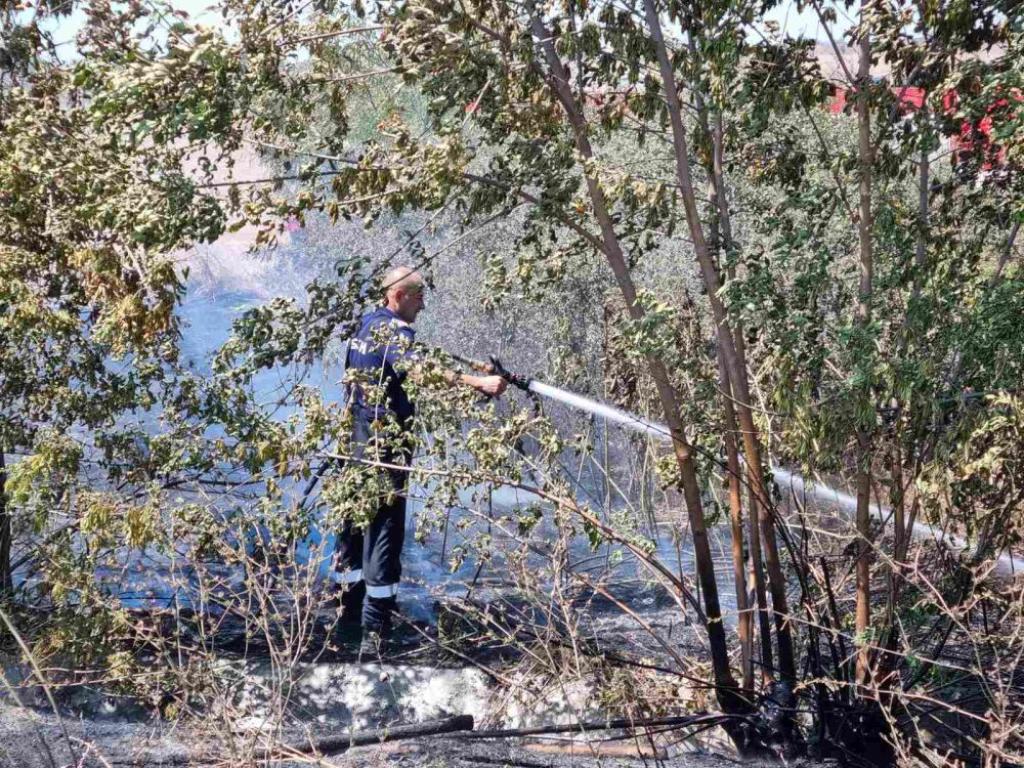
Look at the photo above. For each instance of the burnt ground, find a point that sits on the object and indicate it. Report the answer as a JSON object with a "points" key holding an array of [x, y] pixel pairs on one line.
{"points": [[97, 744], [336, 695]]}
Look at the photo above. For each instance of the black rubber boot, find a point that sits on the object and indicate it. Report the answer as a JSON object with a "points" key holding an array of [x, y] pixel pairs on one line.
{"points": [[348, 604], [351, 603]]}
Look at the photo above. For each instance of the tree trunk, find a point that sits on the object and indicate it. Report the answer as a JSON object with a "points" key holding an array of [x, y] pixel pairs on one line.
{"points": [[722, 239], [755, 558], [735, 367], [726, 687], [863, 318], [6, 577], [921, 245], [732, 458], [756, 562]]}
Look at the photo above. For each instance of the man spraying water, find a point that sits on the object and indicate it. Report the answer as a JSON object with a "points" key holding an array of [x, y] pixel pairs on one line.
{"points": [[368, 565]]}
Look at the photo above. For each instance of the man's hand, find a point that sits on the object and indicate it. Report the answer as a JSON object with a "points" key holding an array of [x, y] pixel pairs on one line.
{"points": [[492, 386]]}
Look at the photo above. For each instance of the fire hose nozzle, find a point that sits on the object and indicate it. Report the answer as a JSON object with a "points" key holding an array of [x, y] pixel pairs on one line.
{"points": [[495, 368], [516, 379]]}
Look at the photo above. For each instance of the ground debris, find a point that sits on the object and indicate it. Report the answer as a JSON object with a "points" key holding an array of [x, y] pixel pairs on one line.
{"points": [[99, 744]]}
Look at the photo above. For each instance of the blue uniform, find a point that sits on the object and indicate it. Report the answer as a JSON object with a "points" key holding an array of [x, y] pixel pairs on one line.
{"points": [[368, 562], [383, 342]]}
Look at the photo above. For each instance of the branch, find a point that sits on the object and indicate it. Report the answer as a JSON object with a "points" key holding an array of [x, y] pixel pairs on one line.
{"points": [[341, 742], [358, 76], [1004, 257], [592, 239], [600, 725], [575, 226], [835, 47], [329, 35], [560, 501]]}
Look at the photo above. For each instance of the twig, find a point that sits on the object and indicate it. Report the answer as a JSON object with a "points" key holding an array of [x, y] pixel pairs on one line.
{"points": [[601, 725], [332, 744], [329, 35]]}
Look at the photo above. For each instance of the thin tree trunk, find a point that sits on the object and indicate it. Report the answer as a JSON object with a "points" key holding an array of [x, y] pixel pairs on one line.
{"points": [[760, 594], [737, 370], [901, 531], [721, 225], [756, 558], [863, 317], [921, 246], [732, 458], [756, 562], [727, 689], [6, 577]]}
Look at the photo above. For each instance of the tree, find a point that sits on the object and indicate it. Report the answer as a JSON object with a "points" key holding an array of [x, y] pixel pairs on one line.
{"points": [[86, 230], [843, 332]]}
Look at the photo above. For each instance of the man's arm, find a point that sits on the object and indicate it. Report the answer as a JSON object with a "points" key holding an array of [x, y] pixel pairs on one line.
{"points": [[492, 386], [488, 384]]}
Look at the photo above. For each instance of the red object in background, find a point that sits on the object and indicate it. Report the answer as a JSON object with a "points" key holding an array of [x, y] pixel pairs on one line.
{"points": [[838, 103], [973, 137], [910, 99]]}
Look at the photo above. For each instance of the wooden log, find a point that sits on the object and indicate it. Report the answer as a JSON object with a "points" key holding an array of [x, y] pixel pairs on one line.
{"points": [[602, 725], [334, 744], [326, 745]]}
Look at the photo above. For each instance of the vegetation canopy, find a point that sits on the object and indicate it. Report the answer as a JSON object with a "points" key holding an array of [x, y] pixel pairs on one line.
{"points": [[801, 257]]}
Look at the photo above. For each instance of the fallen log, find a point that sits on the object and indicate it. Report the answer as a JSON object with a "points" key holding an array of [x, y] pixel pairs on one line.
{"points": [[333, 744], [326, 745], [601, 725]]}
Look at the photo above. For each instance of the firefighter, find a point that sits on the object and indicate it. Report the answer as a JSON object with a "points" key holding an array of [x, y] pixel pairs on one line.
{"points": [[368, 561]]}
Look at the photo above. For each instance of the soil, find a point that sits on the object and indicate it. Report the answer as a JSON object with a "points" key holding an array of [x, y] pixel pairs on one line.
{"points": [[155, 744], [335, 694]]}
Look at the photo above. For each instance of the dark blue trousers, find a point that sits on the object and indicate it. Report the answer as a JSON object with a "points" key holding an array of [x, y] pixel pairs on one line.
{"points": [[368, 563]]}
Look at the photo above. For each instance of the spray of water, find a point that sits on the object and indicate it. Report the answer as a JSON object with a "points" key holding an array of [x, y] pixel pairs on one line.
{"points": [[601, 410], [1007, 566]]}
